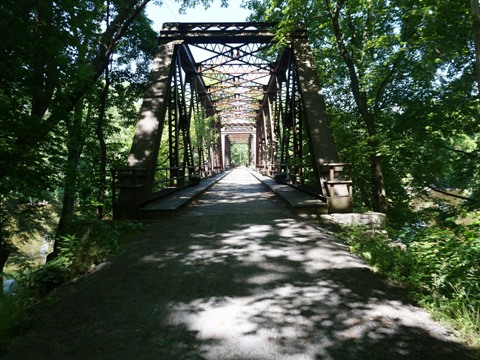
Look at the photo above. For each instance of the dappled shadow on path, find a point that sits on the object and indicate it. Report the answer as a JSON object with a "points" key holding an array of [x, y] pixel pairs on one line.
{"points": [[252, 287], [282, 289]]}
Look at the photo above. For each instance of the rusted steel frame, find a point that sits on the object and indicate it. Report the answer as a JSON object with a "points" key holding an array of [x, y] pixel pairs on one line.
{"points": [[249, 89], [192, 69], [238, 69], [216, 146], [218, 32], [270, 136], [232, 82], [236, 98], [272, 101], [228, 153], [189, 93], [188, 97], [224, 55], [307, 107], [184, 94], [200, 137], [179, 124], [173, 120], [199, 98], [320, 137], [234, 58], [260, 149], [297, 128], [189, 87], [188, 28], [252, 150], [166, 181], [287, 116], [278, 123], [266, 134], [264, 139]]}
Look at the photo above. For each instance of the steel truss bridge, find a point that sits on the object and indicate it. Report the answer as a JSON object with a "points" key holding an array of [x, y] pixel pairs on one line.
{"points": [[213, 85]]}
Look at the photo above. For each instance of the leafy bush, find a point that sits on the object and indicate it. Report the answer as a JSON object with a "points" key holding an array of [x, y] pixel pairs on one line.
{"points": [[91, 243], [380, 252], [445, 260], [438, 264], [14, 319]]}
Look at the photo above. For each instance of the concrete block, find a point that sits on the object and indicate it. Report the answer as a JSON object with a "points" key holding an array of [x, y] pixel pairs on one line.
{"points": [[369, 219]]}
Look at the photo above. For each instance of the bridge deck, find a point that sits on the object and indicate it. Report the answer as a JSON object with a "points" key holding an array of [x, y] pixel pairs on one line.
{"points": [[236, 275], [300, 202], [177, 200]]}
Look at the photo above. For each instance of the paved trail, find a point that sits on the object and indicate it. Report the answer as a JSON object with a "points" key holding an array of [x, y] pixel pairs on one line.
{"points": [[236, 276]]}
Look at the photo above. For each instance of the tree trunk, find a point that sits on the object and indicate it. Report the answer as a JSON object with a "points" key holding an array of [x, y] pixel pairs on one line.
{"points": [[379, 194], [4, 255], [378, 189], [99, 130], [63, 102], [475, 9], [5, 248], [361, 100], [44, 72], [74, 148]]}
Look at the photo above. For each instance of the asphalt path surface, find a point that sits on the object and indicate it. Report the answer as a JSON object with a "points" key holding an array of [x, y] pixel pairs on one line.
{"points": [[235, 276]]}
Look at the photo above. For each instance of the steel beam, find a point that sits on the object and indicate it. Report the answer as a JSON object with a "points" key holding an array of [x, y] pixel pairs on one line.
{"points": [[281, 102], [322, 144], [137, 183]]}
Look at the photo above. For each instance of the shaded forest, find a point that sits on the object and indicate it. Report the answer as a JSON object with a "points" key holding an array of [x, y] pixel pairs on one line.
{"points": [[401, 81]]}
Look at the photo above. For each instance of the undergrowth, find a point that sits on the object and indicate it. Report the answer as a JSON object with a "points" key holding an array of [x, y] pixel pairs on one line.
{"points": [[439, 265], [14, 319], [89, 244]]}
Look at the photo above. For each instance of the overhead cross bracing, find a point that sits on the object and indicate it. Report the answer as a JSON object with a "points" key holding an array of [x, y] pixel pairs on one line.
{"points": [[217, 84], [235, 76]]}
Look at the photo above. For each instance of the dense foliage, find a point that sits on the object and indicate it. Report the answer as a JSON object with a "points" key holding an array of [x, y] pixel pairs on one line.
{"points": [[438, 264], [402, 80], [239, 154], [400, 87], [73, 74], [90, 244]]}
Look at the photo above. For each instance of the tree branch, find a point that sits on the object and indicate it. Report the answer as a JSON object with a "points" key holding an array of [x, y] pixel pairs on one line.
{"points": [[359, 96], [65, 102], [475, 10], [381, 88], [405, 36], [474, 155], [444, 192]]}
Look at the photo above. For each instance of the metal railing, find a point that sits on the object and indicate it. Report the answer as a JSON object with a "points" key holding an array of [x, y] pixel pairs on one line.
{"points": [[131, 179], [172, 177], [128, 183], [336, 178]]}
